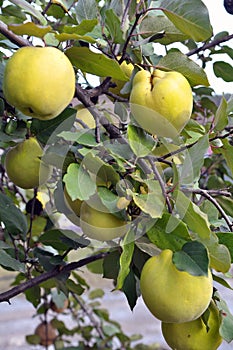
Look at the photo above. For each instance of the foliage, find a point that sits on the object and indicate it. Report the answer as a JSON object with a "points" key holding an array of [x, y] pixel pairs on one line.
{"points": [[171, 192]]}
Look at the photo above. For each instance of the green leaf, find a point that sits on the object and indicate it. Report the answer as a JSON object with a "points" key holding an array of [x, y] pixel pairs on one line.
{"points": [[65, 36], [111, 265], [190, 213], [227, 152], [102, 172], [221, 119], [190, 17], [96, 293], [86, 10], [29, 8], [227, 204], [95, 63], [83, 137], [226, 326], [151, 203], [176, 60], [130, 289], [31, 29], [78, 182], [62, 240], [226, 238], [74, 287], [127, 246], [14, 220], [140, 142], [47, 131], [220, 258], [87, 25], [223, 70], [193, 161], [153, 24], [7, 261], [193, 258], [33, 295], [113, 25], [169, 233]]}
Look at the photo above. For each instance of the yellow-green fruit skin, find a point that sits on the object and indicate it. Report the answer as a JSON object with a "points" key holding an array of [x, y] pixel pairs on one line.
{"points": [[24, 166], [75, 205], [100, 225], [172, 295], [161, 102], [39, 81], [194, 335]]}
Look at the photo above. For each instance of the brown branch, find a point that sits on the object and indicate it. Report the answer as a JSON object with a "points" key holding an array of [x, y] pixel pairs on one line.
{"points": [[84, 97], [207, 195], [17, 40], [209, 45], [56, 272]]}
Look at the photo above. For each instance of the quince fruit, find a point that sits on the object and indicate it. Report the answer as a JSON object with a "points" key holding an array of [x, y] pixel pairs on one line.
{"points": [[39, 81], [85, 116], [24, 166], [172, 295], [73, 206], [101, 225], [161, 102], [46, 332], [195, 335]]}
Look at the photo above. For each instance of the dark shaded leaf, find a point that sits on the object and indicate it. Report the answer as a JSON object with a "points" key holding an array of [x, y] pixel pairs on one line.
{"points": [[193, 258]]}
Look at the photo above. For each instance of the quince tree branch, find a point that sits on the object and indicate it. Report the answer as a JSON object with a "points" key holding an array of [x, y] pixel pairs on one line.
{"points": [[17, 40], [58, 270], [211, 44]]}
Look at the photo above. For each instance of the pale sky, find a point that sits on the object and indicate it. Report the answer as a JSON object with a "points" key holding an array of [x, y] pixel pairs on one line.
{"points": [[221, 21]]}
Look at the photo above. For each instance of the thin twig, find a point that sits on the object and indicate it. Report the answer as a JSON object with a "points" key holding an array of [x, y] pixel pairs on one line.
{"points": [[209, 45], [161, 182], [207, 195]]}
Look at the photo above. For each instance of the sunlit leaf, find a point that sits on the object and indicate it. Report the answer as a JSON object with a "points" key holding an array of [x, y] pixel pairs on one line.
{"points": [[30, 29], [169, 233], [95, 63], [152, 25], [140, 142], [79, 183], [125, 258], [190, 213], [190, 17], [176, 60], [29, 8]]}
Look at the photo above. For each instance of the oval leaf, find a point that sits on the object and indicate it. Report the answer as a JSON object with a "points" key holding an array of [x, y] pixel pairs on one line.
{"points": [[175, 60], [193, 258], [190, 17], [30, 29], [95, 63]]}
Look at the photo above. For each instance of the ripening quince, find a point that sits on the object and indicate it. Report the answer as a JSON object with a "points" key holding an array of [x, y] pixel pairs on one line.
{"points": [[24, 166], [161, 102], [101, 225], [172, 295], [39, 81], [74, 206], [47, 333], [195, 335]]}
